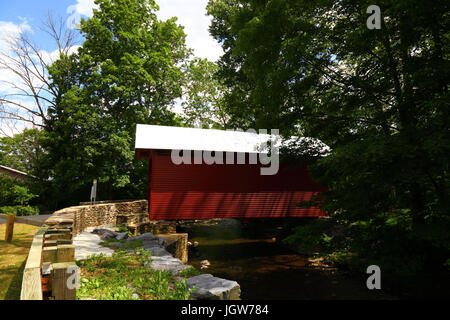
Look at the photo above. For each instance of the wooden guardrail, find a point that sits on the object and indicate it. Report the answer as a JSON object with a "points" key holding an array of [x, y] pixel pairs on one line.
{"points": [[49, 265], [31, 283]]}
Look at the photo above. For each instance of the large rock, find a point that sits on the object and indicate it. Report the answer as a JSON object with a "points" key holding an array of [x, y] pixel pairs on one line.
{"points": [[149, 243], [105, 234], [157, 251], [144, 237], [167, 263], [87, 244], [122, 235], [212, 288]]}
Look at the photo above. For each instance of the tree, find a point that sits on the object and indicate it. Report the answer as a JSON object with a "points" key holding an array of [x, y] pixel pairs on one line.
{"points": [[203, 95], [127, 71], [23, 152], [29, 90], [378, 98], [14, 197]]}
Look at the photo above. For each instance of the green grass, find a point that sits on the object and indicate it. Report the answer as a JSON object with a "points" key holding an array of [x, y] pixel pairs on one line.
{"points": [[13, 256], [126, 244], [124, 274], [189, 272]]}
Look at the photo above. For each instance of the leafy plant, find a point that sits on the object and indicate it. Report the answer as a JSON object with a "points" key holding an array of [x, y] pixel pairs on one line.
{"points": [[126, 276], [189, 272], [122, 228]]}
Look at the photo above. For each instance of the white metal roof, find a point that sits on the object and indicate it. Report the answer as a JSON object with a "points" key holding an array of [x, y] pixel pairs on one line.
{"points": [[13, 170], [181, 138]]}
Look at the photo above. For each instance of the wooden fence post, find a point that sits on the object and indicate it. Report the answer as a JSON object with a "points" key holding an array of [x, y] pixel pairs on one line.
{"points": [[9, 228], [60, 281]]}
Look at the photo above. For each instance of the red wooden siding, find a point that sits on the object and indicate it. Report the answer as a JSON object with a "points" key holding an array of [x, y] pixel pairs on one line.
{"points": [[203, 191]]}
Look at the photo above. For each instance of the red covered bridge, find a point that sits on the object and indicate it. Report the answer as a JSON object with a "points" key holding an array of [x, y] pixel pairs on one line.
{"points": [[204, 191]]}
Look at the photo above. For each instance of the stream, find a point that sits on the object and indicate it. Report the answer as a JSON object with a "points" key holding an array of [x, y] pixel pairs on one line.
{"points": [[264, 268]]}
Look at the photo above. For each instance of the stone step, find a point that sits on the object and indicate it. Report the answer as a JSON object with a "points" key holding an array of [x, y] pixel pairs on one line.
{"points": [[213, 288]]}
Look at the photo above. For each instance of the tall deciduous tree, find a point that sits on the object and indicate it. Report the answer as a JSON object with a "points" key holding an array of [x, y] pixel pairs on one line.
{"points": [[377, 97], [29, 92], [127, 71], [203, 95]]}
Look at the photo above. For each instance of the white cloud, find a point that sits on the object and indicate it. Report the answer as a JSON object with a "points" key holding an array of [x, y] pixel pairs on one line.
{"points": [[9, 128], [81, 8], [50, 57], [192, 15], [10, 30], [84, 7]]}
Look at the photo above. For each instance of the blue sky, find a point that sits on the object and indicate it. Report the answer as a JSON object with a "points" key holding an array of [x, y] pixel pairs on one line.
{"points": [[191, 14], [18, 16], [31, 13]]}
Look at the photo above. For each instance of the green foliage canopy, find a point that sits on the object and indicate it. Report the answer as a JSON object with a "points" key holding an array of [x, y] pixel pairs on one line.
{"points": [[378, 98], [126, 72], [203, 95]]}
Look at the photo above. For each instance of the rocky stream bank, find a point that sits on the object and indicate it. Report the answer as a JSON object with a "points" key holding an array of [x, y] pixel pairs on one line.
{"points": [[105, 240]]}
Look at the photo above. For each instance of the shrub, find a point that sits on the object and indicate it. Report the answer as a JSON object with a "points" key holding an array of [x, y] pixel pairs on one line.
{"points": [[20, 210], [14, 193], [311, 237]]}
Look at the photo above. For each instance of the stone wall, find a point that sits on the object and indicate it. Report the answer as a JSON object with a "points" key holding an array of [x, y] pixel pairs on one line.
{"points": [[132, 214]]}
